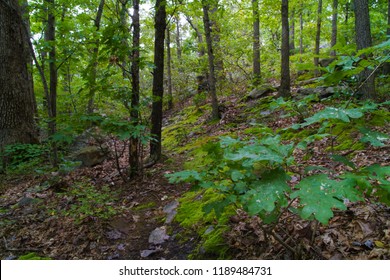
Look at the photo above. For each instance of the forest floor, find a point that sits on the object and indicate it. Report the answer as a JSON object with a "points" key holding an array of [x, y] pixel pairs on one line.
{"points": [[91, 213]]}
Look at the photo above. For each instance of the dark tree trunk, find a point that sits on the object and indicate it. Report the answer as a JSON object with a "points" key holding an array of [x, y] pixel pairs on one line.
{"points": [[364, 40], [158, 80], [134, 145], [334, 26], [256, 43], [284, 90], [211, 58], [169, 69], [318, 38], [94, 62], [216, 42], [17, 123]]}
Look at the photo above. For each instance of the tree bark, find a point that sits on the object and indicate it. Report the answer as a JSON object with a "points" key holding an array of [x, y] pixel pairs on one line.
{"points": [[301, 32], [386, 67], [17, 123], [158, 80], [292, 32], [364, 40], [284, 90], [211, 59], [134, 143], [333, 41], [318, 38], [169, 69], [256, 43]]}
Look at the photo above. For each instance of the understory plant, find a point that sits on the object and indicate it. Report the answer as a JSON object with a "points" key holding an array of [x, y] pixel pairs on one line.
{"points": [[255, 174]]}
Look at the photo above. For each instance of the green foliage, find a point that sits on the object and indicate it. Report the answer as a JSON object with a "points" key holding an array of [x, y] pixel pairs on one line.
{"points": [[18, 158], [254, 174], [87, 201], [32, 256]]}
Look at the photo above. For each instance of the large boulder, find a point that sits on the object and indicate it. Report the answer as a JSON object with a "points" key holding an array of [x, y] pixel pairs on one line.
{"points": [[90, 155], [261, 91]]}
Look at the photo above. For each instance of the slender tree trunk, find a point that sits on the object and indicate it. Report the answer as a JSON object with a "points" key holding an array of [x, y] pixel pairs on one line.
{"points": [[158, 80], [17, 123], [52, 102], [169, 69], [256, 43], [134, 144], [386, 69], [364, 40], [292, 32], [94, 62], [318, 38], [216, 42], [334, 26], [178, 40], [211, 58], [301, 32], [284, 90]]}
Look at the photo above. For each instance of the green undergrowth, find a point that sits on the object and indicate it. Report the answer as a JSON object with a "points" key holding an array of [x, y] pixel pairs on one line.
{"points": [[185, 125], [197, 214]]}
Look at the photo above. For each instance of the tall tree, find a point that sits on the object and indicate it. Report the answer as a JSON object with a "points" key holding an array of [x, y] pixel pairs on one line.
{"points": [[158, 79], [334, 26], [211, 59], [17, 123], [387, 64], [169, 69], [52, 101], [256, 43], [318, 37], [292, 31], [134, 144], [284, 89], [94, 60], [364, 40]]}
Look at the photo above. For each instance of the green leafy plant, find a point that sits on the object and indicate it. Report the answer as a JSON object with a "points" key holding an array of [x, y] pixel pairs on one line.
{"points": [[89, 202]]}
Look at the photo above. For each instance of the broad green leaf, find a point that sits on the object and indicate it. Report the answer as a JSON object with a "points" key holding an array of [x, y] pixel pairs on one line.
{"points": [[184, 176], [333, 113], [375, 138], [319, 195], [343, 160], [237, 175], [266, 192]]}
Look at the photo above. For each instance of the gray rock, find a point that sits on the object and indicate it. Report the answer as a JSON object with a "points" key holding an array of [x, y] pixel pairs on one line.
{"points": [[170, 206], [261, 91], [90, 156], [158, 236]]}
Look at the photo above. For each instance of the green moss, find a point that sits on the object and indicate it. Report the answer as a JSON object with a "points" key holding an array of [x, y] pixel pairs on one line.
{"points": [[145, 206], [32, 256], [209, 227]]}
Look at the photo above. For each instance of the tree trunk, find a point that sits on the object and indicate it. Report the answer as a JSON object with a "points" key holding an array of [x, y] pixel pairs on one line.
{"points": [[256, 43], [211, 58], [386, 68], [169, 69], [52, 102], [301, 32], [158, 80], [363, 40], [334, 26], [94, 62], [134, 144], [318, 38], [178, 39], [284, 90], [17, 123], [292, 32]]}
